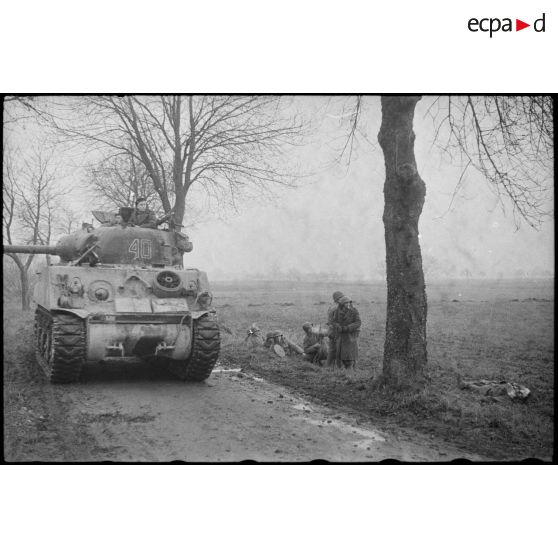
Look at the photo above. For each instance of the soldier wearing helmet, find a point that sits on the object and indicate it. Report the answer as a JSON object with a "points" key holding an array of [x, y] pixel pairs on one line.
{"points": [[314, 345], [332, 334], [142, 216], [346, 324], [277, 337]]}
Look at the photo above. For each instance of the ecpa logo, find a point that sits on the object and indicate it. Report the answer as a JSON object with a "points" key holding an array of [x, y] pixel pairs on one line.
{"points": [[494, 24]]}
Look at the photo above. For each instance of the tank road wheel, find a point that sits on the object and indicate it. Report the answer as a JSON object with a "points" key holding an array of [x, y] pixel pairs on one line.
{"points": [[206, 342], [60, 348]]}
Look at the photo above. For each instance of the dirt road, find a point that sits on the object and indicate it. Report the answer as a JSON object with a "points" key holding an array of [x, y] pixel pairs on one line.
{"points": [[127, 416]]}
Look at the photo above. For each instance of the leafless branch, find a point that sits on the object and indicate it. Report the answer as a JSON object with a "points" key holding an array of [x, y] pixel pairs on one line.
{"points": [[214, 143], [510, 141], [32, 199]]}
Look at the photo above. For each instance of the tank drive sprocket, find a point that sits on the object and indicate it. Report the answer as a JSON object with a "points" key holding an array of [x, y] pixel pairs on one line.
{"points": [[206, 342], [60, 345]]}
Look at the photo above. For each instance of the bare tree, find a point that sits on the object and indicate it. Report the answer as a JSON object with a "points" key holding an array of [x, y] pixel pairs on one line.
{"points": [[404, 192], [225, 146], [17, 108], [31, 199], [508, 139], [67, 220], [120, 180], [12, 106]]}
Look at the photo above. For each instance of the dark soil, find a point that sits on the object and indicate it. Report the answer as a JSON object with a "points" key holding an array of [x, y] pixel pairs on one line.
{"points": [[488, 336]]}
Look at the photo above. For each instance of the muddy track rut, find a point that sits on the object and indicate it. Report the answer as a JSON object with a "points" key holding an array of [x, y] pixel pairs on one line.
{"points": [[129, 415]]}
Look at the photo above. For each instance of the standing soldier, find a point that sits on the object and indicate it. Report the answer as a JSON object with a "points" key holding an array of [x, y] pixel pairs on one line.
{"points": [[346, 324], [142, 216], [331, 310]]}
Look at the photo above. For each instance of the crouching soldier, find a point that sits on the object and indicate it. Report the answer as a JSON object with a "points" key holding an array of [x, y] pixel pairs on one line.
{"points": [[277, 337], [254, 336], [314, 345]]}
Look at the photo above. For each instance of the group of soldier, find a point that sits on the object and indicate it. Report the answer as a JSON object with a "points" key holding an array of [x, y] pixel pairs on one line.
{"points": [[343, 321], [336, 345]]}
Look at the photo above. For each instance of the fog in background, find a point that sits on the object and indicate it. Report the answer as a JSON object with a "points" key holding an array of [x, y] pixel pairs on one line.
{"points": [[333, 227], [330, 226]]}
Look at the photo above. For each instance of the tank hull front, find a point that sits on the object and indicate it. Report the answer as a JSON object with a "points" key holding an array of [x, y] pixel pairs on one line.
{"points": [[137, 335], [129, 288]]}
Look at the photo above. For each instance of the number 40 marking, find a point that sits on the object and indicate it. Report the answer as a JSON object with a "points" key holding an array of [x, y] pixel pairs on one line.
{"points": [[141, 248]]}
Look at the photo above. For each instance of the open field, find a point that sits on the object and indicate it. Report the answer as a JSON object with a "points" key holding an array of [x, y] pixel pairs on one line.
{"points": [[477, 329]]}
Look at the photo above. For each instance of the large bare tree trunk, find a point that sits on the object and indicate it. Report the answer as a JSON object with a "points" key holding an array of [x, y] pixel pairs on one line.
{"points": [[404, 192]]}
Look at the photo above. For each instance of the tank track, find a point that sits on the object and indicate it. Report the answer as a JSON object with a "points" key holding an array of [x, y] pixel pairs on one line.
{"points": [[206, 343], [60, 345]]}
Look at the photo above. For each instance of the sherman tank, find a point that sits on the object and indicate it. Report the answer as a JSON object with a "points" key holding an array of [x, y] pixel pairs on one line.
{"points": [[120, 293]]}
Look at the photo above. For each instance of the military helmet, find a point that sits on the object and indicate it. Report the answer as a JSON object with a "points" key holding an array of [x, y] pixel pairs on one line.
{"points": [[274, 334]]}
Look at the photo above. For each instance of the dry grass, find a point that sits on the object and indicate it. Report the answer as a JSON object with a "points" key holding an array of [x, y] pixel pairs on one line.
{"points": [[19, 380], [478, 329], [495, 331]]}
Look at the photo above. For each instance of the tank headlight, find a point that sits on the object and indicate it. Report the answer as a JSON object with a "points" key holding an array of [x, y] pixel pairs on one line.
{"points": [[204, 300], [100, 290], [76, 287], [101, 293]]}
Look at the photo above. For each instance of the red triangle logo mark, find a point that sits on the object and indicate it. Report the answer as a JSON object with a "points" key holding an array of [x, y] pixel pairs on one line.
{"points": [[519, 25]]}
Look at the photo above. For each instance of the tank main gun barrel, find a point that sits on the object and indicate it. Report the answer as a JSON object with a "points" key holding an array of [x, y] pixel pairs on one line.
{"points": [[30, 249], [68, 248]]}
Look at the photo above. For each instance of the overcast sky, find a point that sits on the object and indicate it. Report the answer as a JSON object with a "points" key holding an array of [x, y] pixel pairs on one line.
{"points": [[335, 224], [332, 223]]}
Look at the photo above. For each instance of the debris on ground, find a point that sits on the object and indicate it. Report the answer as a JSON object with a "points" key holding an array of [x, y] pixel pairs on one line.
{"points": [[225, 328], [492, 388]]}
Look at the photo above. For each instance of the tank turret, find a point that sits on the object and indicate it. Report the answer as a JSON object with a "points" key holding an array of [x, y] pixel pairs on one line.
{"points": [[121, 292], [70, 248], [116, 244]]}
